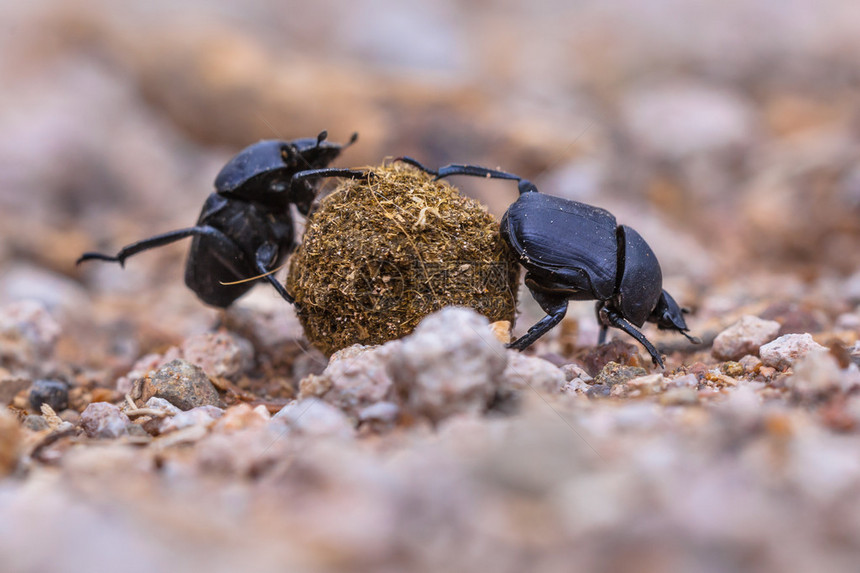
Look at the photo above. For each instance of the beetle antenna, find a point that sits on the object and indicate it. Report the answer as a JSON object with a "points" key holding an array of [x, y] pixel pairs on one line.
{"points": [[249, 279], [322, 137]]}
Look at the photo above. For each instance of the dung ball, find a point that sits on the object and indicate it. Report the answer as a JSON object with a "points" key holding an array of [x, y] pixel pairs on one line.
{"points": [[378, 255]]}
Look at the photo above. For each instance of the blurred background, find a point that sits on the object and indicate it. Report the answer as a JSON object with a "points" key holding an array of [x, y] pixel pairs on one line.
{"points": [[725, 132]]}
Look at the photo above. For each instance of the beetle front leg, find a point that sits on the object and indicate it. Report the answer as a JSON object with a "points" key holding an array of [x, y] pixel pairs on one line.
{"points": [[555, 308], [611, 317], [525, 186], [329, 172]]}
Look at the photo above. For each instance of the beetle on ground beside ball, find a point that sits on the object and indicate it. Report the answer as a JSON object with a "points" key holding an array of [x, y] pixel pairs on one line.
{"points": [[575, 251], [246, 229]]}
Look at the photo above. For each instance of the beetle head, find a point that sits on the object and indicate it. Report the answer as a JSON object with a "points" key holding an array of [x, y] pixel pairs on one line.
{"points": [[312, 152], [261, 172], [669, 316]]}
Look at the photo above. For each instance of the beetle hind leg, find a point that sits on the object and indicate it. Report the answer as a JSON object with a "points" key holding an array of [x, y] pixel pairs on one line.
{"points": [[143, 245]]}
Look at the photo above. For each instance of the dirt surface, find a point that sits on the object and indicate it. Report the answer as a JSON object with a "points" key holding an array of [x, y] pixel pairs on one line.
{"points": [[145, 431]]}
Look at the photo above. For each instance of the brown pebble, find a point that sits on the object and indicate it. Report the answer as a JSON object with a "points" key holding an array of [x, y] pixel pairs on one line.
{"points": [[181, 383], [731, 368], [614, 373]]}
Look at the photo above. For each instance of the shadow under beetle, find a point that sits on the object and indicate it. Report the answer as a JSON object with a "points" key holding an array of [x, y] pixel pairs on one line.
{"points": [[245, 228], [574, 251]]}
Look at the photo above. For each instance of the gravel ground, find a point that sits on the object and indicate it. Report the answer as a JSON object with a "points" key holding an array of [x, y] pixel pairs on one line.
{"points": [[142, 430]]}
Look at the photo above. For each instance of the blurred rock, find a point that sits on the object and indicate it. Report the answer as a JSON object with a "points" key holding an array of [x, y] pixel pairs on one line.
{"points": [[750, 363], [450, 364], [28, 334], [355, 378], [816, 374], [785, 350], [241, 417], [36, 423], [684, 381], [58, 293], [219, 353], [181, 383], [572, 371], [795, 318], [744, 337], [616, 350], [380, 416], [163, 405], [614, 373], [649, 384], [313, 417], [143, 367], [54, 393], [10, 443], [10, 386], [200, 416], [104, 420], [528, 372]]}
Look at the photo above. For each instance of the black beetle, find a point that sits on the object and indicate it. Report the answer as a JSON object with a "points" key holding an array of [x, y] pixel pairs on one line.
{"points": [[574, 251], [245, 228]]}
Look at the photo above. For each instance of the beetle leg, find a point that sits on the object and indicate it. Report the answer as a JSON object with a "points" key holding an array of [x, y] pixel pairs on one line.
{"points": [[329, 172], [525, 186], [555, 308], [616, 320], [146, 244], [604, 328], [265, 256]]}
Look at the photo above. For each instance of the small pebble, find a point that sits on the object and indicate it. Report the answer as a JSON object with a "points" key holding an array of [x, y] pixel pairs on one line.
{"points": [[529, 372], [744, 337], [156, 403], [28, 332], [181, 383], [315, 417], [614, 373], [10, 386], [649, 384], [54, 393], [572, 371], [732, 368], [36, 423], [380, 415], [750, 363], [783, 351], [356, 377], [815, 375], [104, 420], [679, 396], [450, 364], [219, 353], [200, 416], [685, 381], [240, 417]]}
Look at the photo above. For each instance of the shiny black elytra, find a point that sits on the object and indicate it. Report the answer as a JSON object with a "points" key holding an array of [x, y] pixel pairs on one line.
{"points": [[245, 228], [574, 251]]}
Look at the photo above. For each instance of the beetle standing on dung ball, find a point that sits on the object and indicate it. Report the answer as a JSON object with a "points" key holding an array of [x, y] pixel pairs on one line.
{"points": [[245, 227], [574, 251]]}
